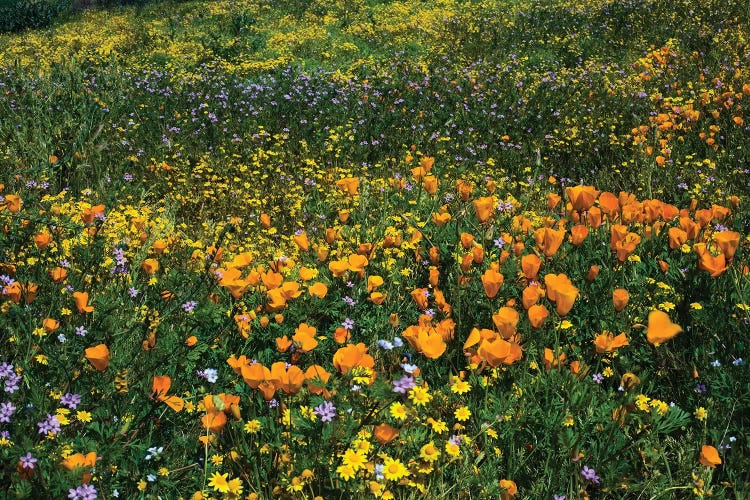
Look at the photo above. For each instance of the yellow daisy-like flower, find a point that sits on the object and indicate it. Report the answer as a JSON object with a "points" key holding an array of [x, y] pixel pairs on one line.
{"points": [[83, 416], [429, 452], [460, 386], [569, 421], [252, 426], [700, 413], [354, 459], [420, 396], [217, 459], [394, 469], [142, 485], [398, 411], [235, 486], [696, 306], [41, 359], [362, 445], [462, 414], [608, 372], [438, 426], [492, 433], [345, 472], [641, 401], [219, 482], [163, 471], [452, 449]]}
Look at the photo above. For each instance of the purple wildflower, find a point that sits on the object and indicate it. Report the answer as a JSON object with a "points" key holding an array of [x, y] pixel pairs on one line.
{"points": [[403, 384], [50, 424], [326, 411], [83, 492], [189, 306], [598, 378], [28, 461], [6, 411], [590, 474], [11, 383], [71, 400], [348, 324]]}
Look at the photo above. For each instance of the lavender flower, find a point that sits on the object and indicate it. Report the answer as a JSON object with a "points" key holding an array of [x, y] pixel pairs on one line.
{"points": [[50, 424], [590, 474], [81, 331], [28, 461], [326, 411], [189, 306], [71, 400], [11, 383], [210, 374], [403, 384], [83, 492], [6, 411], [598, 378], [348, 324]]}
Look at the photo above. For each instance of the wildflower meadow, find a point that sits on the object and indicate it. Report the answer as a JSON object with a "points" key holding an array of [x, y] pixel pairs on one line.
{"points": [[337, 249]]}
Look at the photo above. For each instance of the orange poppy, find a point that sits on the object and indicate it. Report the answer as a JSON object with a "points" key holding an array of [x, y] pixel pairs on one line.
{"points": [[377, 298], [348, 185], [606, 342], [58, 274], [492, 281], [160, 387], [548, 240], [79, 460], [494, 351], [304, 336], [12, 203], [351, 355], [709, 456], [620, 298], [302, 242], [594, 217], [289, 380], [42, 240], [150, 266], [553, 200], [50, 325], [578, 233], [384, 433], [357, 264], [552, 359], [420, 296], [509, 489], [98, 356], [506, 320], [714, 264], [318, 290], [727, 241], [430, 184], [338, 267], [617, 233], [315, 377], [537, 315], [660, 327], [214, 420], [441, 218], [89, 214], [581, 197], [82, 302], [530, 265], [593, 273], [484, 208]]}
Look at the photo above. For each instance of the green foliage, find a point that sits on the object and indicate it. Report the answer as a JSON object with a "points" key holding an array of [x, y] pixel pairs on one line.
{"points": [[17, 15]]}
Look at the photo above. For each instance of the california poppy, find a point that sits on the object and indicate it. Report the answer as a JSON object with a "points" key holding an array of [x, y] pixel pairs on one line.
{"points": [[351, 355], [82, 302], [581, 197], [530, 265], [506, 320], [484, 207], [441, 218], [348, 185], [42, 240], [150, 266], [709, 456], [606, 342], [578, 233], [98, 356], [660, 327], [537, 315], [548, 240], [384, 433], [160, 387], [302, 242], [727, 241], [620, 298], [492, 281]]}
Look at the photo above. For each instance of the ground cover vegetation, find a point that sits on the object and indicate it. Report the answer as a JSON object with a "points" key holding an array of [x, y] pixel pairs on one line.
{"points": [[444, 249]]}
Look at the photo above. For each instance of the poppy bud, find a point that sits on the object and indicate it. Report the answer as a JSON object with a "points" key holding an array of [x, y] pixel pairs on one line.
{"points": [[593, 273]]}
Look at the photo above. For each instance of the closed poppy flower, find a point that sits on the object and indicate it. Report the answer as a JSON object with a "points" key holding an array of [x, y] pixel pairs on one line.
{"points": [[709, 456], [464, 190], [690, 227], [12, 203], [593, 273], [609, 204], [377, 298], [620, 298], [617, 234], [727, 241], [477, 254], [509, 489], [565, 297], [150, 266], [506, 320], [434, 276], [338, 267], [384, 433], [420, 296], [42, 240], [82, 302], [301, 240], [606, 342], [530, 265], [594, 217], [581, 197], [283, 343], [58, 274], [318, 290], [50, 325], [492, 281], [467, 240], [531, 295], [538, 314], [288, 379], [578, 233], [553, 359], [484, 208], [548, 240], [441, 218], [494, 351], [348, 185], [430, 184], [660, 327], [553, 200], [98, 356]]}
